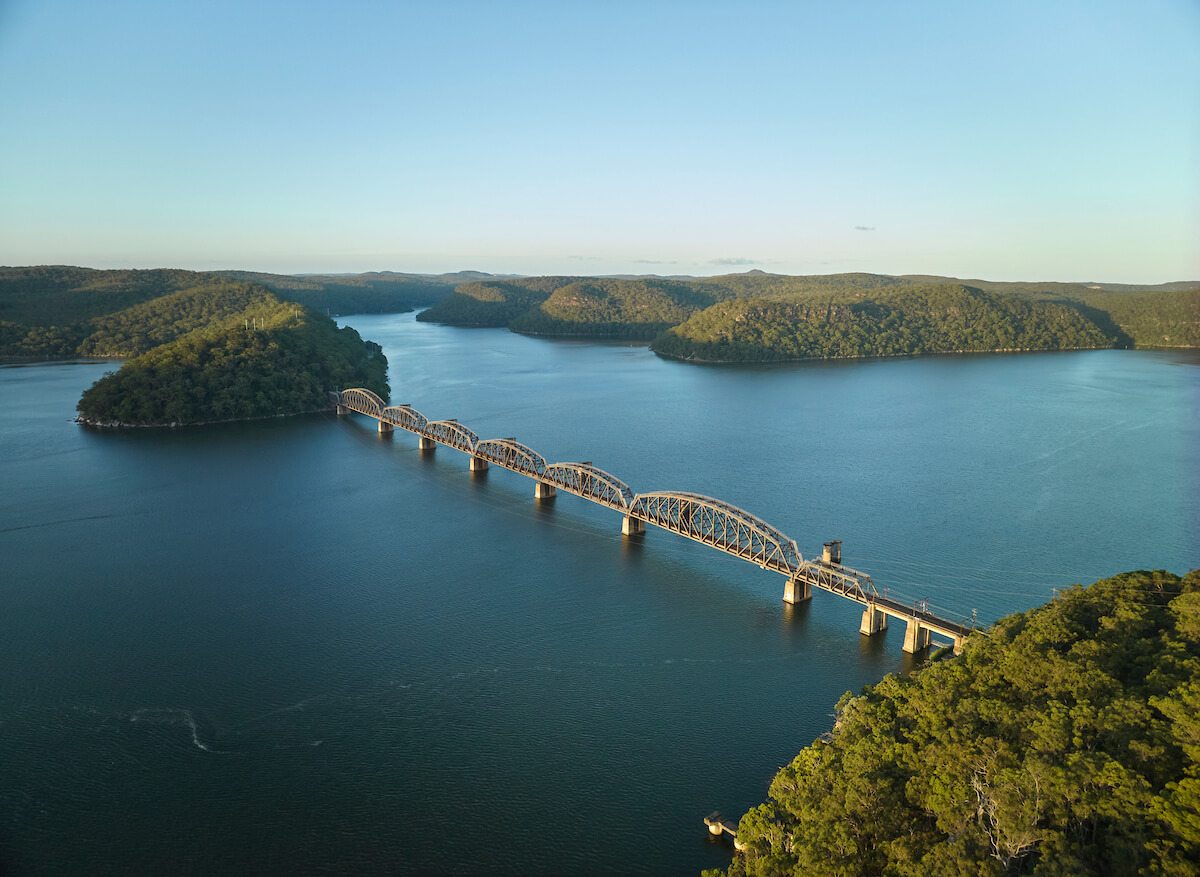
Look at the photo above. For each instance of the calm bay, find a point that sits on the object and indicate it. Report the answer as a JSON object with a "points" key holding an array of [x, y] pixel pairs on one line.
{"points": [[299, 647]]}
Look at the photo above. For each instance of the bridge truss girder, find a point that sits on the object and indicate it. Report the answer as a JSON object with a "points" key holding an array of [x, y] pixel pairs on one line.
{"points": [[363, 401], [405, 417], [452, 433], [511, 454], [720, 525], [584, 479]]}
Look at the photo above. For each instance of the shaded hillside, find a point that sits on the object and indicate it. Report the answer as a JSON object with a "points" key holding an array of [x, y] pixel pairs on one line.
{"points": [[71, 302], [1066, 741], [493, 303], [205, 347], [1162, 315], [229, 372], [609, 307], [59, 295], [617, 308], [899, 320], [371, 293], [1149, 319]]}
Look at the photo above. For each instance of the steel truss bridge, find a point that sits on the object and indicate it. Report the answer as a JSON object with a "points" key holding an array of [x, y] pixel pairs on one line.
{"points": [[710, 521]]}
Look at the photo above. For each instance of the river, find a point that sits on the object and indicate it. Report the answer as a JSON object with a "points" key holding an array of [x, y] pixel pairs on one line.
{"points": [[297, 647]]}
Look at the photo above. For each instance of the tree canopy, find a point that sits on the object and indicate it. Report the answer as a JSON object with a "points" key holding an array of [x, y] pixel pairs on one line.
{"points": [[756, 317], [285, 363], [1066, 741], [905, 319], [203, 347]]}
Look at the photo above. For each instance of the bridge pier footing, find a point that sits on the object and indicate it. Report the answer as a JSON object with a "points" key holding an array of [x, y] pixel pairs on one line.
{"points": [[544, 491], [873, 621], [478, 464], [426, 444], [342, 410], [386, 428], [797, 591], [632, 526], [916, 637]]}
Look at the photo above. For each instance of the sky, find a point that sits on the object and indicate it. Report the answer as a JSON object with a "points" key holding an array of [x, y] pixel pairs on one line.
{"points": [[994, 139]]}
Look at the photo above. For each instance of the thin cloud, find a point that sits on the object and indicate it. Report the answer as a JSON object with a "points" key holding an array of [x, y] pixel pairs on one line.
{"points": [[864, 228], [585, 258], [652, 262], [733, 261]]}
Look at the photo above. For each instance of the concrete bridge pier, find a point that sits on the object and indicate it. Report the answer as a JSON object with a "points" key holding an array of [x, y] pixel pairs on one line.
{"points": [[386, 428], [544, 491], [632, 526], [342, 410], [797, 591], [873, 621], [478, 464], [426, 444], [916, 637]]}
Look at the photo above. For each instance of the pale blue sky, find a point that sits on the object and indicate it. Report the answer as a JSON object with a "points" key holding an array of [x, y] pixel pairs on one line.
{"points": [[1005, 140]]}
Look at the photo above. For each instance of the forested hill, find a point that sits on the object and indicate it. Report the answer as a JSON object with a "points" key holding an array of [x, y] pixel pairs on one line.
{"points": [[904, 319], [371, 293], [607, 307], [285, 363], [762, 317], [1162, 315], [493, 303], [1066, 741], [205, 347], [617, 308]]}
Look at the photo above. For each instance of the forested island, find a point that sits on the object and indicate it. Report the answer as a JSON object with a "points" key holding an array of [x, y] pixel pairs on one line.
{"points": [[758, 317], [199, 347], [1064, 741]]}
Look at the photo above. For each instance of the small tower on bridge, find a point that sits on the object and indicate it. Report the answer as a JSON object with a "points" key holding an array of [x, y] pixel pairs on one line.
{"points": [[833, 552]]}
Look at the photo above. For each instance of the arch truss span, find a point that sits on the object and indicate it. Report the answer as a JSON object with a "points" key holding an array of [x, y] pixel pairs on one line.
{"points": [[363, 401], [721, 525], [405, 417], [584, 479], [452, 433], [511, 454]]}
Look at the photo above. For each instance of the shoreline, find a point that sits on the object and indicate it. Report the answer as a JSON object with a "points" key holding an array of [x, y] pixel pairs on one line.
{"points": [[117, 424]]}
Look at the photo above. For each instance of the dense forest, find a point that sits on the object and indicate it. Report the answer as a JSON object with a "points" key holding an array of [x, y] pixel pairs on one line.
{"points": [[285, 364], [763, 317], [1065, 741], [638, 309], [204, 347], [372, 293], [906, 319], [1166, 315], [493, 303], [65, 312]]}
